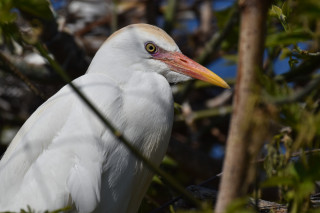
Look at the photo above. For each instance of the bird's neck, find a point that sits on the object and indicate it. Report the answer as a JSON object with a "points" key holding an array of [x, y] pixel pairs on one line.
{"points": [[109, 62]]}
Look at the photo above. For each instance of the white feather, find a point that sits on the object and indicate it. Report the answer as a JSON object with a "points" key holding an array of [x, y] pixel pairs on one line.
{"points": [[63, 150], [64, 156]]}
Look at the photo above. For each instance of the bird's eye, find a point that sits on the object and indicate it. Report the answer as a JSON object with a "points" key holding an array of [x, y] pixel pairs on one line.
{"points": [[151, 48]]}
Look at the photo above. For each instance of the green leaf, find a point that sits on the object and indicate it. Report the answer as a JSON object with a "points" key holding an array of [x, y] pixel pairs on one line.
{"points": [[308, 8], [231, 59], [293, 62], [10, 33], [239, 205], [287, 38], [169, 161], [277, 11], [157, 180], [37, 8], [6, 14], [285, 52], [276, 181]]}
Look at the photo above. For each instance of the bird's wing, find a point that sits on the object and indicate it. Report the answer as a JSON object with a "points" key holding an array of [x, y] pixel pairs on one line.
{"points": [[57, 154]]}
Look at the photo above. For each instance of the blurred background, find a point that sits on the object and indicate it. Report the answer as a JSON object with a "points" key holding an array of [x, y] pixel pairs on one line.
{"points": [[207, 31]]}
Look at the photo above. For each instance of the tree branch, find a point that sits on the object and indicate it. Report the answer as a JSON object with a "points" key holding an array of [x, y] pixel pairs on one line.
{"points": [[234, 181], [299, 95], [211, 46], [6, 64]]}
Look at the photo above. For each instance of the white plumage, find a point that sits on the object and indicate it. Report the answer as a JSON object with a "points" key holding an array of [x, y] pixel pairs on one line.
{"points": [[64, 156]]}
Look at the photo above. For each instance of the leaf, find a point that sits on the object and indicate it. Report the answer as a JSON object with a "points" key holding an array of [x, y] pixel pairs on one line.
{"points": [[239, 205], [10, 33], [7, 14], [285, 52], [293, 62], [287, 38], [157, 180], [37, 8], [168, 161], [276, 181], [277, 11], [309, 8], [231, 59]]}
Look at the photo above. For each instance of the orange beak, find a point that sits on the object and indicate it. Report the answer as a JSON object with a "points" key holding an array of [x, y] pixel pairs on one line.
{"points": [[184, 65]]}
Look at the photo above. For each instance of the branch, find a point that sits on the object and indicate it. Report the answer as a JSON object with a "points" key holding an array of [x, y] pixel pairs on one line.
{"points": [[293, 155], [298, 95], [212, 46], [262, 204], [299, 73], [4, 62], [114, 15], [172, 201], [215, 42], [305, 52], [235, 178], [169, 15], [197, 115]]}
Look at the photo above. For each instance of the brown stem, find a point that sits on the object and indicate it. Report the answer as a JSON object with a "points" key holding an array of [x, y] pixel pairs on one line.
{"points": [[234, 181], [5, 62]]}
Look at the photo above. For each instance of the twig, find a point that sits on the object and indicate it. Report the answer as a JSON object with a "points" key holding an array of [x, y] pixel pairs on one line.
{"points": [[7, 64], [114, 19], [263, 205], [295, 154], [169, 179], [34, 72], [305, 52], [197, 115], [298, 95], [88, 28], [172, 201], [220, 99], [214, 43], [205, 19], [308, 66], [267, 206], [212, 46], [169, 15]]}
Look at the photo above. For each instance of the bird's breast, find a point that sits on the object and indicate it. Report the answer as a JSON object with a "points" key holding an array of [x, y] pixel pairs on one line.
{"points": [[148, 105], [146, 114]]}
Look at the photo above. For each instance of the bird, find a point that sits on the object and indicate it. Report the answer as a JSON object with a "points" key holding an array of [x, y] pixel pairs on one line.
{"points": [[63, 156]]}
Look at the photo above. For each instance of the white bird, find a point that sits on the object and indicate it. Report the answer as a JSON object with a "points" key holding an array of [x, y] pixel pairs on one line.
{"points": [[64, 156]]}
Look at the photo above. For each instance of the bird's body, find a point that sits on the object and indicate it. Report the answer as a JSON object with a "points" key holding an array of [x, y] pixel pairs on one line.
{"points": [[84, 170], [64, 156]]}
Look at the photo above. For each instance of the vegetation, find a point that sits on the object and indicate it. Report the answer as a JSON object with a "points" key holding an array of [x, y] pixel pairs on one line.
{"points": [[283, 125]]}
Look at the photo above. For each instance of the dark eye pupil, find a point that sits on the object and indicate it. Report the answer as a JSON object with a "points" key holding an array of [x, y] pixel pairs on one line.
{"points": [[151, 48]]}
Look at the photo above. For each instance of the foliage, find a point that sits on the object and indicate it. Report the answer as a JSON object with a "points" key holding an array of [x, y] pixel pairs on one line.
{"points": [[290, 98], [9, 12]]}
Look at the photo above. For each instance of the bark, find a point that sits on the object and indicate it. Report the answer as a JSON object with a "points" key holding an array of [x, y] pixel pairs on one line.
{"points": [[242, 140]]}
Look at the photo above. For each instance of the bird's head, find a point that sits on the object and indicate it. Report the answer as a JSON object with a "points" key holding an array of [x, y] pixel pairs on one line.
{"points": [[148, 48]]}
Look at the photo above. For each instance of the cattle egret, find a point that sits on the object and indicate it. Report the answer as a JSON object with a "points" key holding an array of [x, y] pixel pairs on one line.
{"points": [[64, 156]]}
